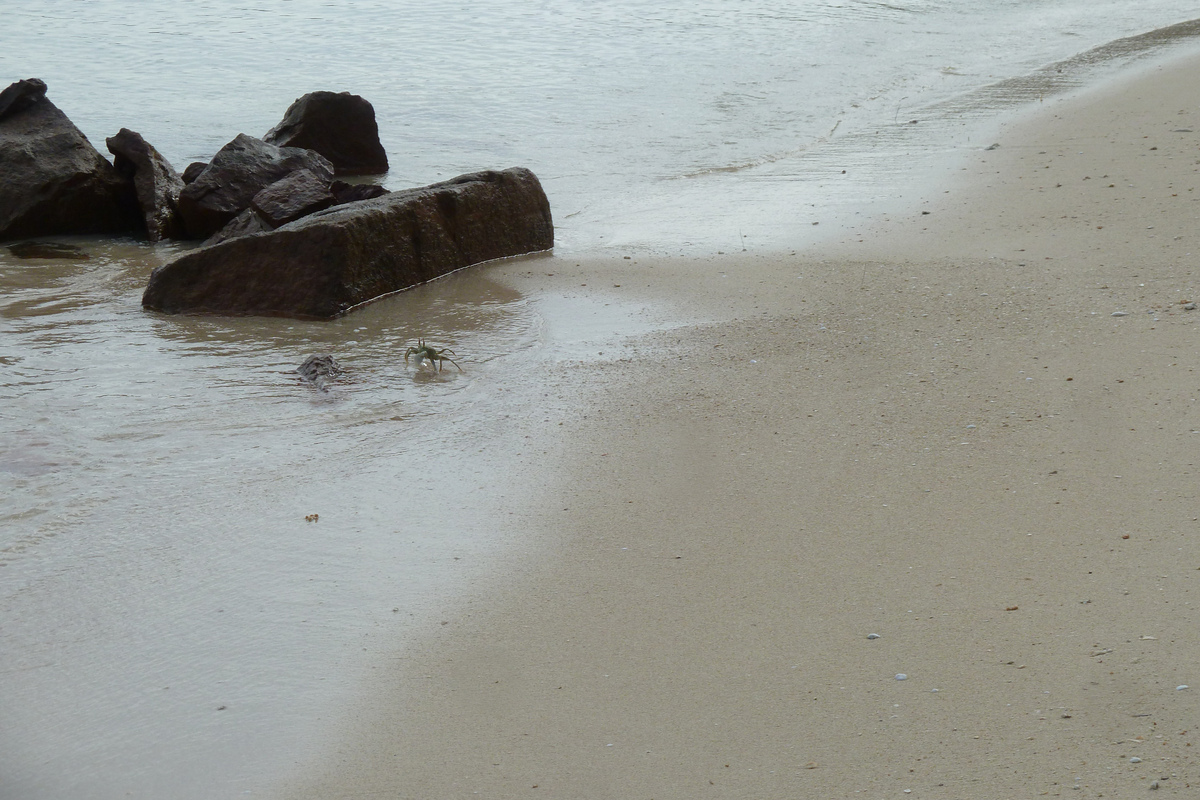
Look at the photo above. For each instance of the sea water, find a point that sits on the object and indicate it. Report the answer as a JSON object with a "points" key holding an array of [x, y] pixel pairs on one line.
{"points": [[672, 126], [171, 625]]}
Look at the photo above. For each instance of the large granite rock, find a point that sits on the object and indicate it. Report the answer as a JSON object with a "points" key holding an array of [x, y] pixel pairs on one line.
{"points": [[340, 126], [327, 263], [52, 181], [156, 182], [240, 170]]}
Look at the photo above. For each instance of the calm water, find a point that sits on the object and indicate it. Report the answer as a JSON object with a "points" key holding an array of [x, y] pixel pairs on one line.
{"points": [[673, 126], [170, 626]]}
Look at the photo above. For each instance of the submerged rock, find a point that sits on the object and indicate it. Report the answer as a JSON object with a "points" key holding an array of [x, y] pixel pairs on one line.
{"points": [[327, 263], [340, 126], [65, 252], [154, 179], [320, 370], [52, 181], [239, 171]]}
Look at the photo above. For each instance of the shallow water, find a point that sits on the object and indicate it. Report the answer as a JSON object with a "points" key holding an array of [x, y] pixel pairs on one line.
{"points": [[170, 624], [167, 608]]}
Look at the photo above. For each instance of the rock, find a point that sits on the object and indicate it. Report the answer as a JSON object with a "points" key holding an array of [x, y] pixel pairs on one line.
{"points": [[339, 126], [319, 370], [325, 264], [243, 224], [193, 170], [154, 179], [352, 192], [21, 95], [52, 181], [64, 252], [287, 200], [240, 170]]}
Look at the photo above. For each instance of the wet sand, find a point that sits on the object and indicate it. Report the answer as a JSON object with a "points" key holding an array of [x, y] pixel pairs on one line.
{"points": [[936, 429]]}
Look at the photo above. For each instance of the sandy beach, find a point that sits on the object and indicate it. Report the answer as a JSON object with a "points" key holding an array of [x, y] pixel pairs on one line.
{"points": [[970, 428]]}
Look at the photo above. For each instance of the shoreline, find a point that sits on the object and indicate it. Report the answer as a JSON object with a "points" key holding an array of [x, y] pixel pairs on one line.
{"points": [[940, 434]]}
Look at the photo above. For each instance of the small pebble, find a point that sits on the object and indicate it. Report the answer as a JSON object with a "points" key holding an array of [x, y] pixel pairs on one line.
{"points": [[872, 635], [900, 676], [1181, 687], [1135, 760], [1120, 313], [1154, 785], [1189, 307]]}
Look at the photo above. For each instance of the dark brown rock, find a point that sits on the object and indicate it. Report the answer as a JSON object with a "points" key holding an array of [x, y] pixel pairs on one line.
{"points": [[154, 179], [340, 126], [243, 224], [240, 170], [21, 95], [327, 263], [291, 198], [52, 181], [353, 192], [193, 170], [288, 199], [48, 250], [320, 370]]}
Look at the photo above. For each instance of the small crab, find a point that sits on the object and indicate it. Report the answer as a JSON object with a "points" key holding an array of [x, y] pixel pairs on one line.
{"points": [[435, 357]]}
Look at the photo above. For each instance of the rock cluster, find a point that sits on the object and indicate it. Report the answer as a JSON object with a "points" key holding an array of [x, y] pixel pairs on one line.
{"points": [[282, 235], [238, 173], [52, 181]]}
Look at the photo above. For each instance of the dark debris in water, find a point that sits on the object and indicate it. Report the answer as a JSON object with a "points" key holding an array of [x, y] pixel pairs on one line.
{"points": [[319, 369], [66, 252]]}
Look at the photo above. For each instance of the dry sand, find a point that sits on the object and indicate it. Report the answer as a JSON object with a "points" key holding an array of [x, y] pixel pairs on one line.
{"points": [[936, 431]]}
